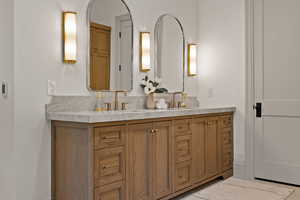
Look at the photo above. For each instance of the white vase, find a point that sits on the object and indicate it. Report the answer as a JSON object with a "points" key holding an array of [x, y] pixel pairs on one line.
{"points": [[150, 104]]}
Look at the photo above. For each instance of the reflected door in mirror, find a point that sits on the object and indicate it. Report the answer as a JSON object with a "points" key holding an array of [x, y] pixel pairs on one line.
{"points": [[123, 80], [100, 57]]}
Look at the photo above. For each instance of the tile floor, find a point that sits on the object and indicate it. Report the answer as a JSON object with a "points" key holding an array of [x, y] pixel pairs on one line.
{"points": [[294, 196]]}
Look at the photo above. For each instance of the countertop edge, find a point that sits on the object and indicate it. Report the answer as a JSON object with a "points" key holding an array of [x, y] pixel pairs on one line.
{"points": [[96, 117]]}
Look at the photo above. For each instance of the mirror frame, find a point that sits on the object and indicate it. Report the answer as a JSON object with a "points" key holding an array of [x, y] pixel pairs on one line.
{"points": [[88, 18], [156, 48]]}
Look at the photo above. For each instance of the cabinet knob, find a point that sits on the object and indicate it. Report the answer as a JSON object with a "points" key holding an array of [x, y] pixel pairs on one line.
{"points": [[153, 132]]}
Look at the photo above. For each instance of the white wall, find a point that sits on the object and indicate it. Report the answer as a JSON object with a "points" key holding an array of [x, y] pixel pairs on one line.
{"points": [[7, 178], [222, 65], [38, 58]]}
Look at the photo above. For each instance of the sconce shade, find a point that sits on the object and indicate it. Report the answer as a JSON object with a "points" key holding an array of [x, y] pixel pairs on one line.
{"points": [[145, 48], [70, 37], [192, 60]]}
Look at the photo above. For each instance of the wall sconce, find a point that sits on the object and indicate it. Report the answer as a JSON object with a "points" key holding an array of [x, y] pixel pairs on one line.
{"points": [[145, 47], [70, 37], [192, 59]]}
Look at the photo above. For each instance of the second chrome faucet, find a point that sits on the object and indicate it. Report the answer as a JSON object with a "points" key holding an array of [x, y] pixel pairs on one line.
{"points": [[116, 102]]}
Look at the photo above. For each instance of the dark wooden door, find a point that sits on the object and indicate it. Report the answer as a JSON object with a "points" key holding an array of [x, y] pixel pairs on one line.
{"points": [[100, 50]]}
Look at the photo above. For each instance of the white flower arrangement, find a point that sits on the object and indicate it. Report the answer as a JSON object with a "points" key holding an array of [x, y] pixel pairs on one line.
{"points": [[150, 86]]}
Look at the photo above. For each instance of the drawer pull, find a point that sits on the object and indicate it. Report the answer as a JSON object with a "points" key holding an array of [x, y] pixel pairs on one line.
{"points": [[108, 167], [108, 138]]}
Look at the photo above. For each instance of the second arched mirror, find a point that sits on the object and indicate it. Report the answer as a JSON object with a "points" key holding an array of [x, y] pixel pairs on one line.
{"points": [[170, 53]]}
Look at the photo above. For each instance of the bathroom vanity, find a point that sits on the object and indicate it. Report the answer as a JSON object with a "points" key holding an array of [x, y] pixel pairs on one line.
{"points": [[136, 154], [139, 155]]}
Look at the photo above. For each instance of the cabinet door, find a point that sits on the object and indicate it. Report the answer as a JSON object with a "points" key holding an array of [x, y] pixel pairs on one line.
{"points": [[162, 162], [212, 148], [199, 149], [139, 162]]}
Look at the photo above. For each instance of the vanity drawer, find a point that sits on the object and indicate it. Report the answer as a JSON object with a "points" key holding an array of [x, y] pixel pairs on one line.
{"points": [[226, 121], [106, 137], [109, 166], [183, 148], [115, 191], [182, 127], [183, 175]]}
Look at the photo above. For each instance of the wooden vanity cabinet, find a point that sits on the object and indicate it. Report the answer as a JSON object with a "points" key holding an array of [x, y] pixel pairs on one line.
{"points": [[140, 160]]}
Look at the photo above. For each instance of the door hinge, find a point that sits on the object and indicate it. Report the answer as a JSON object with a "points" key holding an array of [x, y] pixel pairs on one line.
{"points": [[120, 34], [120, 67], [258, 108]]}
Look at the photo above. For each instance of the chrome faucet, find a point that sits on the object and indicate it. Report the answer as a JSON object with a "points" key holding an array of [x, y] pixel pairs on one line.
{"points": [[117, 99], [174, 98], [180, 104]]}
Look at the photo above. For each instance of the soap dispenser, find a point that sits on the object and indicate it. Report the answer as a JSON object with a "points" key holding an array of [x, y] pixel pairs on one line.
{"points": [[100, 103]]}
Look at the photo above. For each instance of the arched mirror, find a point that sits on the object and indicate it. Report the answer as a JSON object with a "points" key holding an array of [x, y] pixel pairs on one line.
{"points": [[110, 50], [170, 53]]}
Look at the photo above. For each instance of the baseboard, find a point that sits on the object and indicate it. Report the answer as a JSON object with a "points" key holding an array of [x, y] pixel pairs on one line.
{"points": [[239, 170]]}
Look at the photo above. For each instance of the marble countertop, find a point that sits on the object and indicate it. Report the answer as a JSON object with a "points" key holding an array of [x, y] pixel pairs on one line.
{"points": [[113, 116]]}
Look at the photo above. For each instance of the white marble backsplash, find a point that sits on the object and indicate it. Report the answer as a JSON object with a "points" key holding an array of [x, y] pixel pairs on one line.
{"points": [[88, 103], [72, 103]]}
